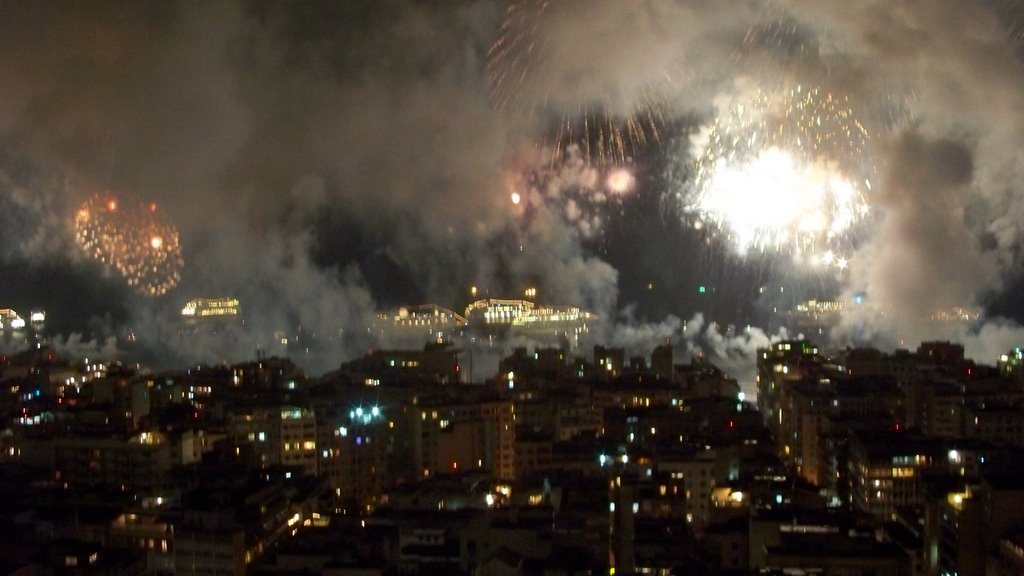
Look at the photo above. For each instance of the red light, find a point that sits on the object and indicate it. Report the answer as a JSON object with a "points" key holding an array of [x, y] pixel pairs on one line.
{"points": [[896, 426], [732, 424]]}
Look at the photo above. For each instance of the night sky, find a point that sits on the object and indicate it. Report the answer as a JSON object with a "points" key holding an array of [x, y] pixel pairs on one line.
{"points": [[326, 160]]}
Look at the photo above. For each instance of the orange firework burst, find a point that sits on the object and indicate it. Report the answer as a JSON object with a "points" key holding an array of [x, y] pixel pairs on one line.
{"points": [[135, 240]]}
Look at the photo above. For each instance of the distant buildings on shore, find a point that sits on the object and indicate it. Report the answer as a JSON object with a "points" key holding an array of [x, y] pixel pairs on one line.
{"points": [[487, 318]]}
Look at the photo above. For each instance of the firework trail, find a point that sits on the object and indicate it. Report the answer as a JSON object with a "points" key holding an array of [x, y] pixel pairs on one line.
{"points": [[780, 38], [536, 69], [134, 240]]}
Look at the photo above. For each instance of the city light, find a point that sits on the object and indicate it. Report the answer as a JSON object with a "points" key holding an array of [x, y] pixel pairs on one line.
{"points": [[359, 415]]}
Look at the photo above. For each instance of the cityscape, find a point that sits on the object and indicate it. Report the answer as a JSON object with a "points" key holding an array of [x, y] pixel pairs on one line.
{"points": [[512, 287], [562, 461]]}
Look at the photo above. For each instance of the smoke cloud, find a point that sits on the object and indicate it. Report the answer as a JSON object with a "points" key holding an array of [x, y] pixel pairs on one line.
{"points": [[324, 162]]}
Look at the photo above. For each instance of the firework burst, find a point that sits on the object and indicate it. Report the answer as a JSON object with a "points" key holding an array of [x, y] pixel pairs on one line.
{"points": [[135, 240], [582, 194], [785, 173], [540, 66]]}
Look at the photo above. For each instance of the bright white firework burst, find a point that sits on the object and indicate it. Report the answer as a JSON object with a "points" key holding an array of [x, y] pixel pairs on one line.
{"points": [[785, 173]]}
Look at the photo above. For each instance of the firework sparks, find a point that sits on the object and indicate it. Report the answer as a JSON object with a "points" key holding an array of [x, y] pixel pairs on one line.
{"points": [[583, 194], [136, 241], [608, 124], [785, 174], [620, 181], [779, 38]]}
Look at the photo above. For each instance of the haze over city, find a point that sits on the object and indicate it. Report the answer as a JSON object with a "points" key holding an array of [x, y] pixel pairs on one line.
{"points": [[685, 171]]}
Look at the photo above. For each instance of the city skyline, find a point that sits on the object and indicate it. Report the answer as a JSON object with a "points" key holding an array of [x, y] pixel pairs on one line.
{"points": [[324, 163]]}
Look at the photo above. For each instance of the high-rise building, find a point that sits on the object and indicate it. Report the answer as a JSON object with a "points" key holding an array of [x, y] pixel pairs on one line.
{"points": [[436, 362], [354, 452], [452, 436], [661, 361], [135, 465], [609, 361], [1010, 363], [277, 435], [890, 471]]}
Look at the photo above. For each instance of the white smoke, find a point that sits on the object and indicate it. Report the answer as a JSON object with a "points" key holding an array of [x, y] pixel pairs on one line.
{"points": [[317, 163]]}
